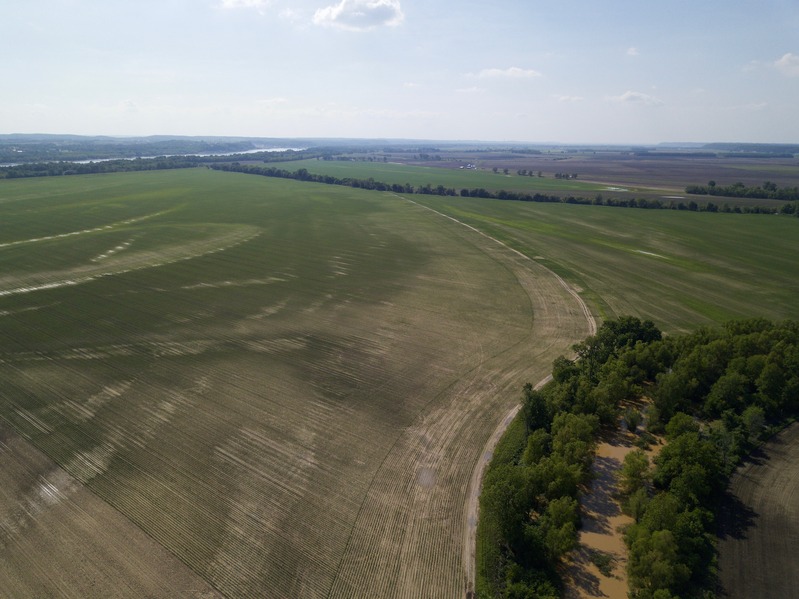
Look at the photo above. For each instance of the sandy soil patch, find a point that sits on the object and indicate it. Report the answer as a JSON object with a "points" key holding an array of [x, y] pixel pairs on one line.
{"points": [[602, 523], [602, 519]]}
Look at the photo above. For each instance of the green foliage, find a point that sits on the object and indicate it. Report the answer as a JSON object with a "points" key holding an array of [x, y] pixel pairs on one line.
{"points": [[573, 437], [753, 419], [653, 563], [603, 561], [531, 506], [536, 414], [539, 445], [611, 337], [634, 474], [681, 423], [559, 526], [635, 506], [739, 190], [741, 376], [633, 418]]}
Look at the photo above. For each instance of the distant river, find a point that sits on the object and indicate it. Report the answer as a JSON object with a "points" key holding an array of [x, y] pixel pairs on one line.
{"points": [[91, 160]]}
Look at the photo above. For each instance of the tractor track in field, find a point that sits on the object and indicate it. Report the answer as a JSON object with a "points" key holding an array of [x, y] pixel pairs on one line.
{"points": [[471, 512]]}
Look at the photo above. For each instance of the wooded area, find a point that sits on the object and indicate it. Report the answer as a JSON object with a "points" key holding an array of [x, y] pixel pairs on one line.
{"points": [[714, 395]]}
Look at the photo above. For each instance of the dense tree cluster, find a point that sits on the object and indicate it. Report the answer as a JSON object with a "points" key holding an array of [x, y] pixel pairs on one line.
{"points": [[715, 390], [528, 506], [715, 393], [768, 190]]}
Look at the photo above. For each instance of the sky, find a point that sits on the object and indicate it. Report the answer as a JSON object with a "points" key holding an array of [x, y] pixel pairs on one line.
{"points": [[566, 71]]}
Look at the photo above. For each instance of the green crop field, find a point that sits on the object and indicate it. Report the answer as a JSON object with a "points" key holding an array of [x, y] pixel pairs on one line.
{"points": [[284, 387], [681, 269], [454, 178]]}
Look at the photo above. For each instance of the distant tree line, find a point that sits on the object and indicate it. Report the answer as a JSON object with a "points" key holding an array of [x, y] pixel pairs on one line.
{"points": [[428, 189], [232, 163], [51, 169], [768, 190], [31, 148], [715, 394]]}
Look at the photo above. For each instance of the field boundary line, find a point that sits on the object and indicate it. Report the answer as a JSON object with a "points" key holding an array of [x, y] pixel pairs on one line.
{"points": [[583, 306], [472, 507], [473, 494]]}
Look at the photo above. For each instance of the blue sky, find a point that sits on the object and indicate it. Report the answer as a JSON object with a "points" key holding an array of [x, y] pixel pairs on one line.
{"points": [[571, 71]]}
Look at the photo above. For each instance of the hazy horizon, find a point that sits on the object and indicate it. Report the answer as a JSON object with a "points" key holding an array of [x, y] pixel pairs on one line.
{"points": [[575, 72]]}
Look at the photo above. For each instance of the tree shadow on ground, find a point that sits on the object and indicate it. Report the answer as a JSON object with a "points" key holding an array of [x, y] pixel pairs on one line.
{"points": [[585, 581], [735, 518], [599, 502]]}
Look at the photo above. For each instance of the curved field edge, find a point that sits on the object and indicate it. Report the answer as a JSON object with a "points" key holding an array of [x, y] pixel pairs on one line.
{"points": [[446, 442], [759, 528], [559, 318], [298, 413]]}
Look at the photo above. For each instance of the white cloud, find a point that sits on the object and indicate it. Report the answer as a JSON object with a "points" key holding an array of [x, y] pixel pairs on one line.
{"points": [[360, 15], [470, 90], [259, 5], [569, 98], [788, 65], [510, 73], [630, 97], [289, 14], [128, 107], [632, 51], [272, 102]]}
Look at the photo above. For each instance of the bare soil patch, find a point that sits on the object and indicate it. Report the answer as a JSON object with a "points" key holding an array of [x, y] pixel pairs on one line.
{"points": [[601, 538], [602, 521]]}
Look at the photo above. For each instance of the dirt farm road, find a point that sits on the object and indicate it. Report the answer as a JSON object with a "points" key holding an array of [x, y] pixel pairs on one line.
{"points": [[471, 511]]}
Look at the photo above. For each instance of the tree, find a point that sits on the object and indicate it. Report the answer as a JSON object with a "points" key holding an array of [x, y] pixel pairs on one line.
{"points": [[573, 437], [681, 423], [682, 452], [559, 527], [612, 336], [505, 496], [538, 446], [654, 563], [753, 419], [634, 473], [534, 408], [728, 392], [633, 418]]}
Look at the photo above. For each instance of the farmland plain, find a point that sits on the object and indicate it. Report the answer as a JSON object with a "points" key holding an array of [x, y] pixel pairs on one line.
{"points": [[679, 269], [287, 385], [456, 178]]}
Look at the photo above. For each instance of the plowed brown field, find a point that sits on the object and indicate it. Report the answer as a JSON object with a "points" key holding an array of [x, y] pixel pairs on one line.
{"points": [[760, 524]]}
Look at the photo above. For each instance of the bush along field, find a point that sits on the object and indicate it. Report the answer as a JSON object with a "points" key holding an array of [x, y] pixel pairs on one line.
{"points": [[714, 395]]}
